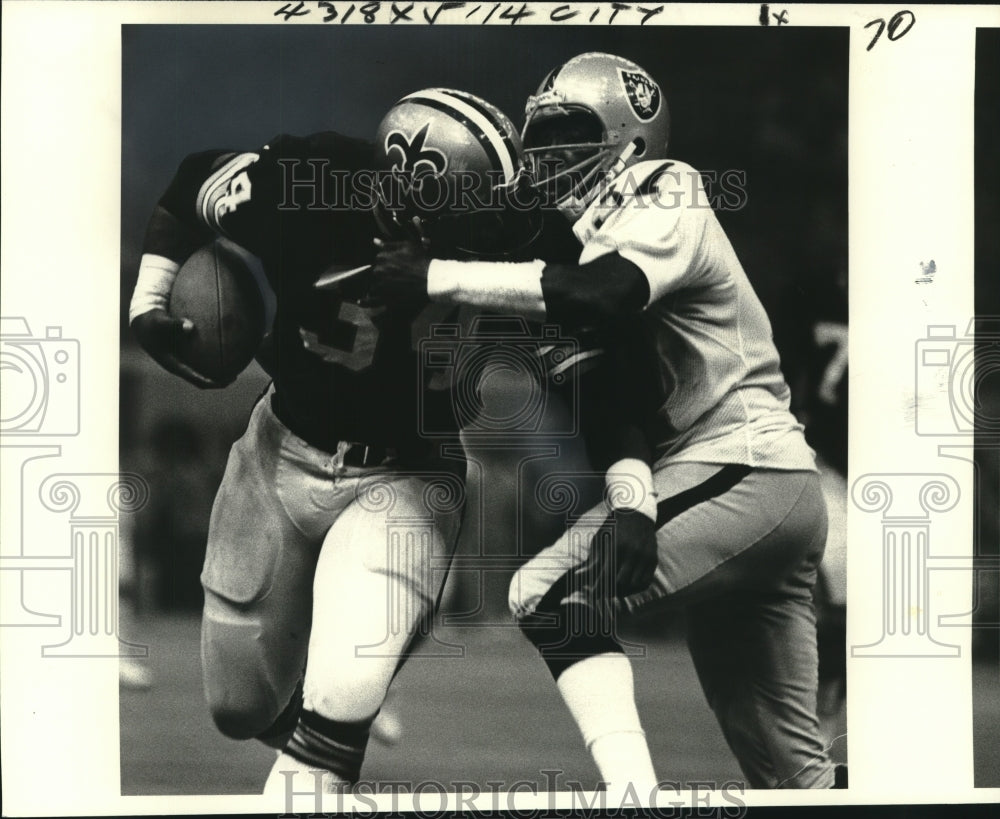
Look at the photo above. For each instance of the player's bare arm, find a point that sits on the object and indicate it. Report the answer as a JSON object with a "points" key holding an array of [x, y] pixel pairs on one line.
{"points": [[170, 240], [573, 295]]}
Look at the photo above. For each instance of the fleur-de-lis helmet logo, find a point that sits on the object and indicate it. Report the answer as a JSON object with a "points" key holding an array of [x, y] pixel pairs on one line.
{"points": [[409, 156]]}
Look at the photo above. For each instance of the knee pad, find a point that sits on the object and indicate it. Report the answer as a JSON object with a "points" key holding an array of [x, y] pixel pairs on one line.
{"points": [[244, 697], [566, 631], [242, 720], [258, 719]]}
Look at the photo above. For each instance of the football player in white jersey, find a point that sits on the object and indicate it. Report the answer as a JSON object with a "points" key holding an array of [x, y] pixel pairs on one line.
{"points": [[733, 495]]}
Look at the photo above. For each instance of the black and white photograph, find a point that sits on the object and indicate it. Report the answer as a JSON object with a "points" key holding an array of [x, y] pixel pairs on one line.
{"points": [[456, 406], [551, 331]]}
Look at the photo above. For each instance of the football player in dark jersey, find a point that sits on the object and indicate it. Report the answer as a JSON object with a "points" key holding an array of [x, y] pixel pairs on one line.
{"points": [[324, 539]]}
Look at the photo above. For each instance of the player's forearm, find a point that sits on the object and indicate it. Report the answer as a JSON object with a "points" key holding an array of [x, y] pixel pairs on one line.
{"points": [[607, 288], [629, 487], [172, 235], [168, 243], [629, 479], [629, 442], [499, 286], [153, 286]]}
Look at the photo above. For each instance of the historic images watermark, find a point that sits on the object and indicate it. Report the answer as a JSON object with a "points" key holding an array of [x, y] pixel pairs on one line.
{"points": [[421, 184], [548, 795]]}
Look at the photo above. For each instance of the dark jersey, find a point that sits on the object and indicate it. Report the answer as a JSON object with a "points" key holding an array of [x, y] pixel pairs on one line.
{"points": [[343, 369]]}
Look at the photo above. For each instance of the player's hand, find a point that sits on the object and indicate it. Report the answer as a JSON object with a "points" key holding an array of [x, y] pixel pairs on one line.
{"points": [[623, 563], [636, 555], [160, 335], [399, 274]]}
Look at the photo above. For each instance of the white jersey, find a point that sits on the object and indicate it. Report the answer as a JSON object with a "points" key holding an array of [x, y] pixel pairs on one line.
{"points": [[726, 398]]}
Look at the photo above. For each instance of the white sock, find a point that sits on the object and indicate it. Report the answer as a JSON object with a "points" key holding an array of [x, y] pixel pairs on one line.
{"points": [[601, 698]]}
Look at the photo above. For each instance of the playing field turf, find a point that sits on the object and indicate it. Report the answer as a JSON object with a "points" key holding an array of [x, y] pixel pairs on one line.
{"points": [[492, 716]]}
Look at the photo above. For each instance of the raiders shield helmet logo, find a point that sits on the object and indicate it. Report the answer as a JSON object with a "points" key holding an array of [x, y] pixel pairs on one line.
{"points": [[643, 94]]}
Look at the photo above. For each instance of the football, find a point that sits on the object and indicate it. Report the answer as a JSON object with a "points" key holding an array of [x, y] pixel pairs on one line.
{"points": [[216, 289]]}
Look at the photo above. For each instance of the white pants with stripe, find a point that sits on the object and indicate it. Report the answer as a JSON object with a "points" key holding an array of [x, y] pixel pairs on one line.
{"points": [[738, 551]]}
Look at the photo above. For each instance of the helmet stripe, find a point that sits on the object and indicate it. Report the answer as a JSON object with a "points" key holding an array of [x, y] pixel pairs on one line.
{"points": [[478, 125], [499, 125]]}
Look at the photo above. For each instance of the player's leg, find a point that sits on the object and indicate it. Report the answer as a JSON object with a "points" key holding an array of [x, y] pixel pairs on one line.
{"points": [[755, 655], [744, 562], [553, 599], [275, 502], [830, 597], [376, 582], [724, 529]]}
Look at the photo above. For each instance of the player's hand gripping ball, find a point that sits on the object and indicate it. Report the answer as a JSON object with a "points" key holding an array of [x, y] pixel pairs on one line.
{"points": [[216, 291]]}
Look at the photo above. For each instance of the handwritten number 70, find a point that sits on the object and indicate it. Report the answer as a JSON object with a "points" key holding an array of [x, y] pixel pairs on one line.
{"points": [[900, 18]]}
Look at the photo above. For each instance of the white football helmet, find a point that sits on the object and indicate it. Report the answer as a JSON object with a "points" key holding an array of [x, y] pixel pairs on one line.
{"points": [[451, 172], [590, 119]]}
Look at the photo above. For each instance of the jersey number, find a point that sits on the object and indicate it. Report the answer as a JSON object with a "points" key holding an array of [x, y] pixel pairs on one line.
{"points": [[237, 192], [361, 351], [358, 353]]}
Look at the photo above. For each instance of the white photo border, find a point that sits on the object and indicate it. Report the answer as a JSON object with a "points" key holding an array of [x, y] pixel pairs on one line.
{"points": [[911, 105]]}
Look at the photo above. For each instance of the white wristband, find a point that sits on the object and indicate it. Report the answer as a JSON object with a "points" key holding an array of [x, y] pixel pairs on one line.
{"points": [[629, 485], [515, 286], [152, 290]]}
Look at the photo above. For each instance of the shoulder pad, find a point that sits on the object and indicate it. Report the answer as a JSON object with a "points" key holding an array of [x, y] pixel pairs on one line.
{"points": [[639, 176], [668, 177], [648, 185]]}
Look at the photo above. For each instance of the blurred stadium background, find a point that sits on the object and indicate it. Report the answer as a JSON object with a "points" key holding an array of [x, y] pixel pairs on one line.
{"points": [[770, 103]]}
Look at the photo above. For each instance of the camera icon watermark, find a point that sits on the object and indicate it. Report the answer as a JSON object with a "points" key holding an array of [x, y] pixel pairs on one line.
{"points": [[40, 377], [951, 373], [957, 398], [501, 371]]}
